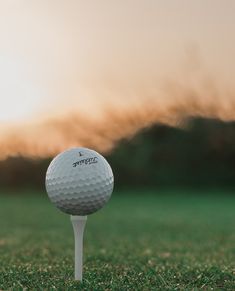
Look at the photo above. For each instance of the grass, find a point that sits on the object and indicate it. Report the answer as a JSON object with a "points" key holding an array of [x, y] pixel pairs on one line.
{"points": [[139, 241]]}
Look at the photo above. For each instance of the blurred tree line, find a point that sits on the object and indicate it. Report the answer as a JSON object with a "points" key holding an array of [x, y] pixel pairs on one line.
{"points": [[202, 154]]}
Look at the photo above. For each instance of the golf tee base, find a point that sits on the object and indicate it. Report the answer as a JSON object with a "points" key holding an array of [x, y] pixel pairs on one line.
{"points": [[78, 223]]}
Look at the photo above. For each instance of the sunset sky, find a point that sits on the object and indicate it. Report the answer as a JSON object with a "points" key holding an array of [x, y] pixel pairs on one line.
{"points": [[59, 56]]}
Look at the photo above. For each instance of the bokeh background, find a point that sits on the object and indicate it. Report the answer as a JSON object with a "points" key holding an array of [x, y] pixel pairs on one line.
{"points": [[97, 73], [150, 85]]}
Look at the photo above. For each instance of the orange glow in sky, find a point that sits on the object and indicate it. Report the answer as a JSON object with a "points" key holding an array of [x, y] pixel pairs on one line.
{"points": [[77, 57]]}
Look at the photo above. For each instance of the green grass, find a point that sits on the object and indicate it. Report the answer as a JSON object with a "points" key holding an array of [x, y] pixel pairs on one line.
{"points": [[143, 241]]}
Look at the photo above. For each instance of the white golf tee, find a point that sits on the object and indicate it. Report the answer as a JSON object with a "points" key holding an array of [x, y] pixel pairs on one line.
{"points": [[78, 223]]}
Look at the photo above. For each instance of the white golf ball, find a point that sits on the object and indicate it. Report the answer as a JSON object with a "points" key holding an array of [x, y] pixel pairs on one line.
{"points": [[79, 181]]}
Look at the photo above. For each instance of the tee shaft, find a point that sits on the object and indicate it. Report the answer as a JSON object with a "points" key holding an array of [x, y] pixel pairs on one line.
{"points": [[78, 223]]}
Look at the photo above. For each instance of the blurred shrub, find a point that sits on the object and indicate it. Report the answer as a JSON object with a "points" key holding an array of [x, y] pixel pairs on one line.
{"points": [[203, 154]]}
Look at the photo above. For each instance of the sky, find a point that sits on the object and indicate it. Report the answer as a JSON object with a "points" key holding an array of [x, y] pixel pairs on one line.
{"points": [[82, 58]]}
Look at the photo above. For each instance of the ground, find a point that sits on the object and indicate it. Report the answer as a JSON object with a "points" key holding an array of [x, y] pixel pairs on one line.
{"points": [[142, 240]]}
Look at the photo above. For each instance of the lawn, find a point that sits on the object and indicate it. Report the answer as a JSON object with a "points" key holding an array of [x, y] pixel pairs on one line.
{"points": [[145, 240]]}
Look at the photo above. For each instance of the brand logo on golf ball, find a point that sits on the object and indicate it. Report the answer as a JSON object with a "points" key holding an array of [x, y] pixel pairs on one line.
{"points": [[87, 161]]}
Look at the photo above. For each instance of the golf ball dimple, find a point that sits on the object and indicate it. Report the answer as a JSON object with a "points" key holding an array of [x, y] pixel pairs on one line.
{"points": [[79, 181]]}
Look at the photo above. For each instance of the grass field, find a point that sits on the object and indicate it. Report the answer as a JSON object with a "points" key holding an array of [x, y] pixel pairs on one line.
{"points": [[139, 241]]}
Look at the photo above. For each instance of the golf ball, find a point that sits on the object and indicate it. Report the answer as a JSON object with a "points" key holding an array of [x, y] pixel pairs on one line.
{"points": [[79, 181]]}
